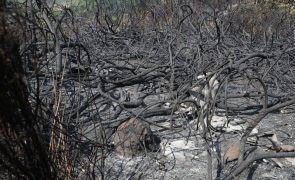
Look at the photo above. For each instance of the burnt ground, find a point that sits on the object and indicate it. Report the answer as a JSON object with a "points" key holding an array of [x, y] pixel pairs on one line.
{"points": [[189, 160]]}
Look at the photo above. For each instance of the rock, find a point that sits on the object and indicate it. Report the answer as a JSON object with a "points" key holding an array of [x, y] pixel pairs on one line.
{"points": [[254, 132], [287, 148], [232, 153], [290, 160], [278, 162], [134, 135], [276, 144], [232, 128], [218, 122]]}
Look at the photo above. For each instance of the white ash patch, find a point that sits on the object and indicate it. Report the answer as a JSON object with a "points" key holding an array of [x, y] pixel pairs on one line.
{"points": [[178, 149]]}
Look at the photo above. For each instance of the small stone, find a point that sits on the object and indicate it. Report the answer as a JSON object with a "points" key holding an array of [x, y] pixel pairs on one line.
{"points": [[134, 135], [287, 148], [232, 153], [291, 160]]}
